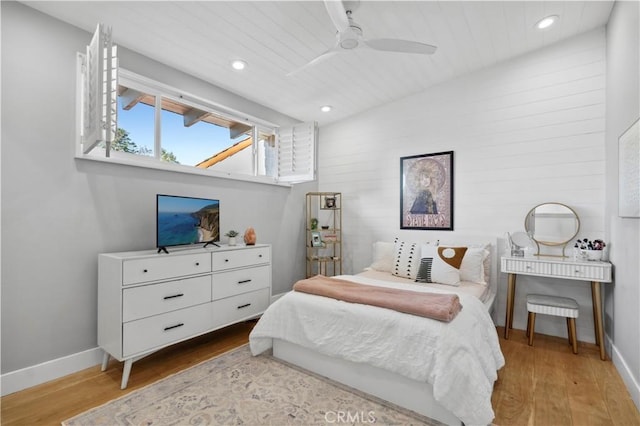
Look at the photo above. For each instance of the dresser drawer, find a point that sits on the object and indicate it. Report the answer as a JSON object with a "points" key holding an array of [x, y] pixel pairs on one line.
{"points": [[152, 299], [153, 332], [243, 306], [240, 258], [230, 283], [164, 267]]}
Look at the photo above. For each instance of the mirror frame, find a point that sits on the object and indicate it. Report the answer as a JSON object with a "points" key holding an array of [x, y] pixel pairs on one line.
{"points": [[551, 243]]}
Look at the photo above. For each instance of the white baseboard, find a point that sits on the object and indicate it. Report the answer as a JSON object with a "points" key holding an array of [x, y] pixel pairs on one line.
{"points": [[625, 372], [31, 376]]}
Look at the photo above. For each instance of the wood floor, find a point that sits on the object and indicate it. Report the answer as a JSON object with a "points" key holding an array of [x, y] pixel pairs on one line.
{"points": [[541, 385]]}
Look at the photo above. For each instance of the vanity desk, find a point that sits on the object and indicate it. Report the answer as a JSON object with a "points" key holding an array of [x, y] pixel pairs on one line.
{"points": [[561, 268]]}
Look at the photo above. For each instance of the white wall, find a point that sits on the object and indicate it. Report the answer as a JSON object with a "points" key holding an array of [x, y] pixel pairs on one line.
{"points": [[525, 132], [58, 213], [622, 319]]}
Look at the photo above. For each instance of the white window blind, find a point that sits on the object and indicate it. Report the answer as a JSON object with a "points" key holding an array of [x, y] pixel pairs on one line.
{"points": [[297, 152], [99, 97]]}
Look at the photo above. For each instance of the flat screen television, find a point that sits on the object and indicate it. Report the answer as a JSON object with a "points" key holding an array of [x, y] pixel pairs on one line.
{"points": [[186, 220]]}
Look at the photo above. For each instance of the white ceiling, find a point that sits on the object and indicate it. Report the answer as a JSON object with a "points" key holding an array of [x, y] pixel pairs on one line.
{"points": [[276, 37]]}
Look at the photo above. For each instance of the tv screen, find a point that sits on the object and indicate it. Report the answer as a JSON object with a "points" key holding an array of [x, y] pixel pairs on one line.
{"points": [[186, 220]]}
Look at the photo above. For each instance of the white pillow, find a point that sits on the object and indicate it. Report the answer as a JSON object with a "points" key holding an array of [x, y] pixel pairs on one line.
{"points": [[440, 264], [472, 268], [382, 256], [406, 259]]}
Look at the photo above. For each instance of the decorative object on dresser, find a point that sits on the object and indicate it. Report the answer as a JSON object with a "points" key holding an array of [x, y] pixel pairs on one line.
{"points": [[324, 246], [232, 237], [250, 236], [147, 301], [426, 191], [552, 225], [563, 269]]}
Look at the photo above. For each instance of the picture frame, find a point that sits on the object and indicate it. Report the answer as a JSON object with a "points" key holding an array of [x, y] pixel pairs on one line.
{"points": [[629, 171], [316, 239], [426, 191]]}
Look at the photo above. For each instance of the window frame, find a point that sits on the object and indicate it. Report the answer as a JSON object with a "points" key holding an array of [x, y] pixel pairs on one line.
{"points": [[90, 119]]}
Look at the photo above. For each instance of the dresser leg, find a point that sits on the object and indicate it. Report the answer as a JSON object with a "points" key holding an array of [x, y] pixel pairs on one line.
{"points": [[125, 373], [105, 361]]}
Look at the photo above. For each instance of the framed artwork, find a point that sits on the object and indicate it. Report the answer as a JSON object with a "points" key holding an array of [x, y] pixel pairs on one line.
{"points": [[629, 172], [316, 239], [426, 191]]}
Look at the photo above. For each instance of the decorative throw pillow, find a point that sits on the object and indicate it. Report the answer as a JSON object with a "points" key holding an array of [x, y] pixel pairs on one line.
{"points": [[383, 256], [406, 259], [440, 264], [472, 268]]}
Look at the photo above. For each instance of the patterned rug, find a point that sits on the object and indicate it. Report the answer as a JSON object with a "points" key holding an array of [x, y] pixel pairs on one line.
{"points": [[236, 388]]}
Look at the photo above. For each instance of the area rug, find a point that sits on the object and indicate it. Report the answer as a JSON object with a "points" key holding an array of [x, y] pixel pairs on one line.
{"points": [[236, 388]]}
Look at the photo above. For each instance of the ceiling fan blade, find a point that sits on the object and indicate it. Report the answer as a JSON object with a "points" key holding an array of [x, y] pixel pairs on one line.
{"points": [[337, 13], [403, 46], [316, 60]]}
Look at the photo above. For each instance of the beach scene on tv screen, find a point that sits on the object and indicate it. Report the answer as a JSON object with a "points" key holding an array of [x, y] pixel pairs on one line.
{"points": [[187, 220]]}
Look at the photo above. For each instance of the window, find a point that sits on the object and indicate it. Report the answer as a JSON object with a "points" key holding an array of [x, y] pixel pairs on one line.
{"points": [[152, 123]]}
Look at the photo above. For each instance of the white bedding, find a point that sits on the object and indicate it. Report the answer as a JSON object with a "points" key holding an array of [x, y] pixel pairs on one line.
{"points": [[459, 359]]}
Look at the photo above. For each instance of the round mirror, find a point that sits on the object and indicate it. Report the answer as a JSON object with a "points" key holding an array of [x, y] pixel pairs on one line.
{"points": [[552, 224]]}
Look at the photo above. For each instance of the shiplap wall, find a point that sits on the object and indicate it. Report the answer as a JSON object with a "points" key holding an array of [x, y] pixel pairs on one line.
{"points": [[528, 131]]}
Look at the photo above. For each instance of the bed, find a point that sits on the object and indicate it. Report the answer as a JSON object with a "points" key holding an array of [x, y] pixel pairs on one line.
{"points": [[443, 370]]}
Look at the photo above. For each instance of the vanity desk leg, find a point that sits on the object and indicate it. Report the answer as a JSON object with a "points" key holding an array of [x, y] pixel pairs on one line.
{"points": [[596, 300], [511, 293]]}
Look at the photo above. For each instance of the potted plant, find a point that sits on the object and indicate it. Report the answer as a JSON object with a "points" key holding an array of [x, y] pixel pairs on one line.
{"points": [[232, 237], [590, 250]]}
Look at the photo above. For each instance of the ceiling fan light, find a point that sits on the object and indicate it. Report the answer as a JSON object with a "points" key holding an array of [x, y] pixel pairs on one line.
{"points": [[326, 108], [238, 64], [546, 22], [349, 43]]}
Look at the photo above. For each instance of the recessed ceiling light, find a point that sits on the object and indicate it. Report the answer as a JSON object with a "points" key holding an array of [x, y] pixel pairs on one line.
{"points": [[546, 22], [238, 64], [326, 108]]}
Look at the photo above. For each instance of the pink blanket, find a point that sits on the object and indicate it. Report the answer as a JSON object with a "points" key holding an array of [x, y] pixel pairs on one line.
{"points": [[442, 307]]}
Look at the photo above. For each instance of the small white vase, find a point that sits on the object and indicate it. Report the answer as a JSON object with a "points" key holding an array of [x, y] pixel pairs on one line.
{"points": [[594, 255], [232, 241]]}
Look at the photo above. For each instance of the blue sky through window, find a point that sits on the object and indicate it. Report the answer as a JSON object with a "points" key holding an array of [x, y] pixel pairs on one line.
{"points": [[190, 145]]}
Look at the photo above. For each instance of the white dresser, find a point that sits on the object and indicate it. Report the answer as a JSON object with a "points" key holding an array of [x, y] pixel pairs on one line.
{"points": [[149, 300], [556, 267]]}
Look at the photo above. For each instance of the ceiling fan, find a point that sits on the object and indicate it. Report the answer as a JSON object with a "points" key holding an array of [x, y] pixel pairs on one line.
{"points": [[349, 36]]}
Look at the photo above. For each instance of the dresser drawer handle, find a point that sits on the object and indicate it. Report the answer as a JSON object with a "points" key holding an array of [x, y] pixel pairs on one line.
{"points": [[145, 271], [244, 306], [171, 327], [259, 255], [244, 281], [173, 296], [226, 260], [197, 263]]}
